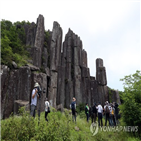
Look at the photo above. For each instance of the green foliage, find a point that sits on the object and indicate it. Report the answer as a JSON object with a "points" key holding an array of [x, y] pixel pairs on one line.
{"points": [[120, 94], [80, 107], [81, 110], [110, 95], [6, 51], [13, 43], [58, 128], [18, 128], [131, 107]]}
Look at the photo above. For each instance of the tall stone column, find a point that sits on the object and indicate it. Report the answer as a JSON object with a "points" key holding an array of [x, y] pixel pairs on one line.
{"points": [[39, 41], [101, 80], [55, 60]]}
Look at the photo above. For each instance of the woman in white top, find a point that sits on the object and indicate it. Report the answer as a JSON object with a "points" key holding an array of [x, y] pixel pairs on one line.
{"points": [[46, 108]]}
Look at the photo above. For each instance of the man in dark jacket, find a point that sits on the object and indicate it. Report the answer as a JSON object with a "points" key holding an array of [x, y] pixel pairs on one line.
{"points": [[94, 113], [73, 109]]}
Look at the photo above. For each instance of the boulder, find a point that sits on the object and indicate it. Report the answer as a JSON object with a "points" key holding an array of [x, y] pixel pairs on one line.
{"points": [[20, 103], [60, 108]]}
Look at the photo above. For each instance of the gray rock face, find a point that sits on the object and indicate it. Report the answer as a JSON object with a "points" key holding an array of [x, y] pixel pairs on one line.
{"points": [[35, 39], [100, 72], [36, 56], [62, 72], [30, 32], [17, 85], [39, 38], [4, 96], [55, 47], [71, 72], [55, 60], [113, 95], [101, 80], [84, 58]]}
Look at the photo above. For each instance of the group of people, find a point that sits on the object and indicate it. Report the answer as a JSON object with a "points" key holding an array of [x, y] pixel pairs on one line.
{"points": [[110, 111], [33, 105]]}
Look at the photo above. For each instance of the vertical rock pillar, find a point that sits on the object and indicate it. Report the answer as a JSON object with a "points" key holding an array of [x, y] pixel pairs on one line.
{"points": [[55, 59], [77, 69], [39, 41], [101, 80]]}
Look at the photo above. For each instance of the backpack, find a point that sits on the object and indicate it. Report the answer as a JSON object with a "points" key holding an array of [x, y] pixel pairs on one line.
{"points": [[94, 110], [107, 111], [112, 111]]}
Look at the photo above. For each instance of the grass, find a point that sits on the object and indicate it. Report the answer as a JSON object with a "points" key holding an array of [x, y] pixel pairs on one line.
{"points": [[60, 127]]}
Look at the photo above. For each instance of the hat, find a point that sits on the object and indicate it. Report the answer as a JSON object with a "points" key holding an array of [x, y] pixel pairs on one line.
{"points": [[36, 85]]}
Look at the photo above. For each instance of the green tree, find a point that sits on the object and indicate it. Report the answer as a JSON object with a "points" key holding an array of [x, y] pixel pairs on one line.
{"points": [[131, 107], [13, 42], [6, 51]]}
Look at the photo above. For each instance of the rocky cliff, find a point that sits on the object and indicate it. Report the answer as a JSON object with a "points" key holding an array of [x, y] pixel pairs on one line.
{"points": [[60, 68]]}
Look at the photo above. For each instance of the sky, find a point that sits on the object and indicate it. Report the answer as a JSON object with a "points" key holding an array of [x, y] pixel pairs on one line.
{"points": [[109, 30]]}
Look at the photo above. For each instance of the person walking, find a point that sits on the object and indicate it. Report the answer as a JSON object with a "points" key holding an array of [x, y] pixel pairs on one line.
{"points": [[73, 109], [100, 112], [47, 106], [34, 100]]}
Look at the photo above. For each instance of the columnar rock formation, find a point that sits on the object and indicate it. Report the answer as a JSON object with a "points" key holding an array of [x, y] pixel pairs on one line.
{"points": [[55, 60], [60, 69]]}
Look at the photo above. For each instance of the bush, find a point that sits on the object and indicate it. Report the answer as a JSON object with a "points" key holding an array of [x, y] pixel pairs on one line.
{"points": [[58, 128], [131, 107]]}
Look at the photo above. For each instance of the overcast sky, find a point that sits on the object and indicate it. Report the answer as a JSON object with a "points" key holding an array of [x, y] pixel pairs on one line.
{"points": [[108, 29]]}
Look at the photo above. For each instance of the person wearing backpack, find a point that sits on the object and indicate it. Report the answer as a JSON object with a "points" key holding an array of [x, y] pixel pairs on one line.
{"points": [[87, 112], [47, 108], [34, 97], [73, 109], [113, 115], [107, 113]]}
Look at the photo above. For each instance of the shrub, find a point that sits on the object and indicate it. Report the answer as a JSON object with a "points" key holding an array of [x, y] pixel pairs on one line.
{"points": [[131, 107]]}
